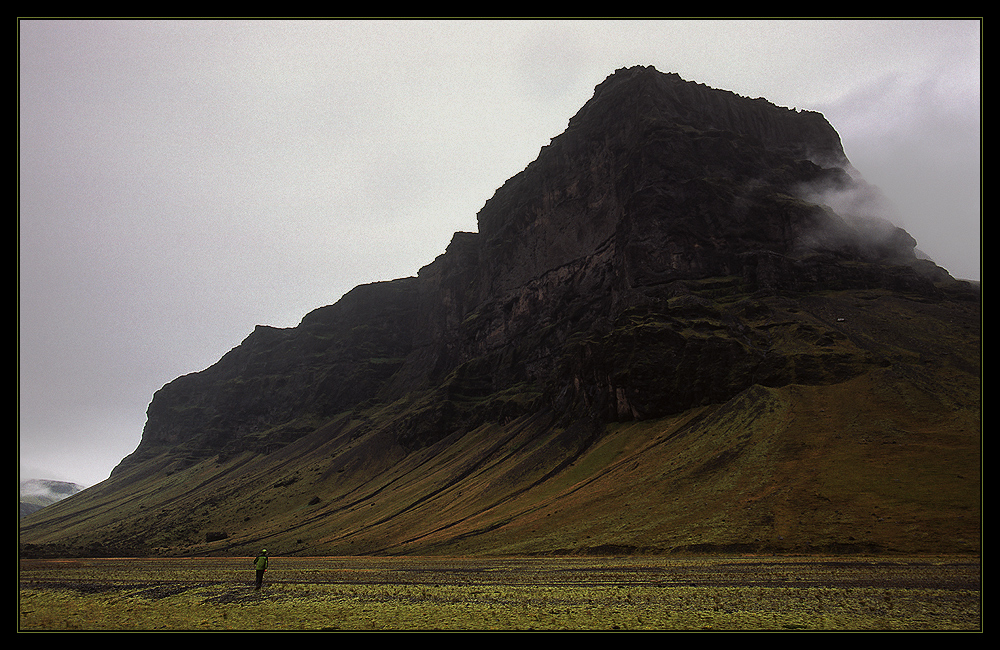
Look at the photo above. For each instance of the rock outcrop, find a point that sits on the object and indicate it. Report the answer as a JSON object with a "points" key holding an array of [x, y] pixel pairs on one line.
{"points": [[617, 276]]}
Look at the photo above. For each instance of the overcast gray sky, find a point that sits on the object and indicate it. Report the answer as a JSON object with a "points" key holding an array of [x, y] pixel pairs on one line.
{"points": [[183, 181]]}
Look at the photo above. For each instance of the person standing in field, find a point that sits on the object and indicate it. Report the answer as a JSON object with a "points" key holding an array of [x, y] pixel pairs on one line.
{"points": [[260, 564]]}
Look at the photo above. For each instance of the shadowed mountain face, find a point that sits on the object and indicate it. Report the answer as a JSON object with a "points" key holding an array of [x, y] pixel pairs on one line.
{"points": [[678, 253]]}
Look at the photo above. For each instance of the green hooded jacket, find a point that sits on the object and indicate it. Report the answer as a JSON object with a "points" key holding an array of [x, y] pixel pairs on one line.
{"points": [[261, 562]]}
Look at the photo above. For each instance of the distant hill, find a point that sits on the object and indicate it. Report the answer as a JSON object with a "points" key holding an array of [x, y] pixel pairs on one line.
{"points": [[35, 494], [686, 326]]}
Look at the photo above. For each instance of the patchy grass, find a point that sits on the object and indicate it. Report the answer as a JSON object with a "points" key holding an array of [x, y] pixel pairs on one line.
{"points": [[565, 593]]}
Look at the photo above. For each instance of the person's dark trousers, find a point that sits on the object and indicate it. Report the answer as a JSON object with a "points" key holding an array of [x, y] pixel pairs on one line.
{"points": [[260, 578]]}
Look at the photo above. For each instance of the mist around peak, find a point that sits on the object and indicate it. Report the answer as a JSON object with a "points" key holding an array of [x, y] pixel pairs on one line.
{"points": [[35, 494], [865, 216]]}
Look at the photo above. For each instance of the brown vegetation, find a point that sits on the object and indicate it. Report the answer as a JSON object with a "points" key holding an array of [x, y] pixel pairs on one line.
{"points": [[886, 462]]}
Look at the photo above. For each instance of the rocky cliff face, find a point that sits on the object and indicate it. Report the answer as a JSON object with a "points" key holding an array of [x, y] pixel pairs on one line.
{"points": [[618, 276]]}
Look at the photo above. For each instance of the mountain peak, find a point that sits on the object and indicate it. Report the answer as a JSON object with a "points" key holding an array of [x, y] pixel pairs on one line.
{"points": [[716, 174], [679, 255], [644, 93], [656, 182], [35, 494]]}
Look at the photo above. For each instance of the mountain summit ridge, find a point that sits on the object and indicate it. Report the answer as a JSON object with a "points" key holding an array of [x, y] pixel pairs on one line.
{"points": [[647, 188], [679, 259]]}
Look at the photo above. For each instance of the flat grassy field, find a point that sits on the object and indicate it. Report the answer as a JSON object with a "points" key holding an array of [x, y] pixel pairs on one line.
{"points": [[511, 594]]}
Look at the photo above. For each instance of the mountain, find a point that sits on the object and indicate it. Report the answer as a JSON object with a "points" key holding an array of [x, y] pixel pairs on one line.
{"points": [[686, 326], [35, 494]]}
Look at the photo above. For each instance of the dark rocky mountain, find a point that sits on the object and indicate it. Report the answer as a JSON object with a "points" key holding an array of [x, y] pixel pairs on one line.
{"points": [[680, 259]]}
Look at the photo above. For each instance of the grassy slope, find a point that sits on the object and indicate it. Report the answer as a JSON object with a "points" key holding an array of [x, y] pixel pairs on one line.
{"points": [[886, 462]]}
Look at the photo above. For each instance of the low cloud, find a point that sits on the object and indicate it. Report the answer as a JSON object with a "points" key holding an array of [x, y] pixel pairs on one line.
{"points": [[863, 211]]}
